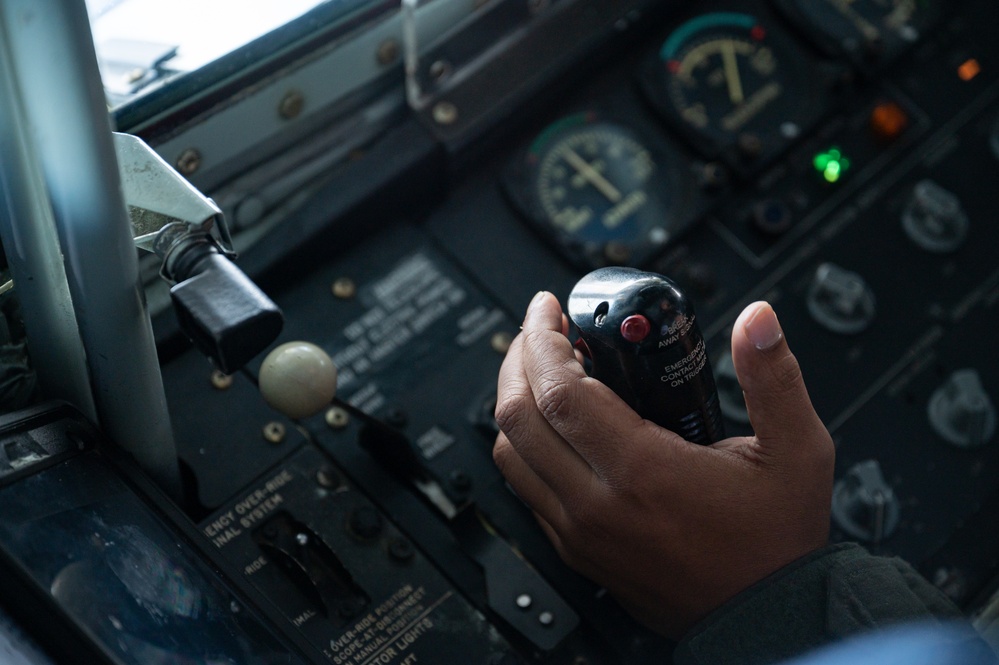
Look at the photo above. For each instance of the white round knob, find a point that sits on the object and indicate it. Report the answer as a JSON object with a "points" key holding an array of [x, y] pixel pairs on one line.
{"points": [[298, 379]]}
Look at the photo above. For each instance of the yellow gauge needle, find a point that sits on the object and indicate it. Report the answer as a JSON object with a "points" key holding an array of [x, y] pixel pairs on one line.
{"points": [[592, 176], [867, 29], [732, 72]]}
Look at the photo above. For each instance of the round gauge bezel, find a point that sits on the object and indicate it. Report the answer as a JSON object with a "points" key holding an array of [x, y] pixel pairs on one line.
{"points": [[668, 188], [800, 105]]}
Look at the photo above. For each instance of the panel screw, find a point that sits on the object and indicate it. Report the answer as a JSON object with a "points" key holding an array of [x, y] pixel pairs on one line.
{"points": [[387, 52], [501, 342], [221, 380], [546, 619], [365, 523], [337, 417], [401, 549], [274, 432], [440, 70], [189, 161], [445, 113], [327, 477], [460, 480], [524, 601], [344, 288], [291, 105]]}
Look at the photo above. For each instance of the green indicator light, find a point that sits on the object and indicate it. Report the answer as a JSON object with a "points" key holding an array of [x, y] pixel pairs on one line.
{"points": [[831, 164]]}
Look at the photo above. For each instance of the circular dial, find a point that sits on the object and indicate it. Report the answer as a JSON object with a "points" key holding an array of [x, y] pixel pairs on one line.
{"points": [[600, 192], [594, 180], [734, 83], [866, 29]]}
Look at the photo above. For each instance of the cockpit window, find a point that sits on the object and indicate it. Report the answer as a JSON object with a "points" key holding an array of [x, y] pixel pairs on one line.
{"points": [[144, 46]]}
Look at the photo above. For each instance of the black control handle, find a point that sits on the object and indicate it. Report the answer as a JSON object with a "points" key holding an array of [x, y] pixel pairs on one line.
{"points": [[641, 334], [220, 309]]}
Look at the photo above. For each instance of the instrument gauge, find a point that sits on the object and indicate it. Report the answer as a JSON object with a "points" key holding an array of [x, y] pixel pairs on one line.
{"points": [[867, 32], [601, 192], [734, 86]]}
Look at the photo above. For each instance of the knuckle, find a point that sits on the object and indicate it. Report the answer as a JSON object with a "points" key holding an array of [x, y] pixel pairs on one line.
{"points": [[553, 399], [511, 410]]}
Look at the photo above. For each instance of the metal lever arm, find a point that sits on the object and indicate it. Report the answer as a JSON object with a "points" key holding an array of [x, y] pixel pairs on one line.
{"points": [[219, 308]]}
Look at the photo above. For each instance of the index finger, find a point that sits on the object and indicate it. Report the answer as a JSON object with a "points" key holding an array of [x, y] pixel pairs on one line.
{"points": [[590, 416]]}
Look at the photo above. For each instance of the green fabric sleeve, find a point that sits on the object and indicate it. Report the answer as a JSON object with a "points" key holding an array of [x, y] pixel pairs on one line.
{"points": [[834, 592]]}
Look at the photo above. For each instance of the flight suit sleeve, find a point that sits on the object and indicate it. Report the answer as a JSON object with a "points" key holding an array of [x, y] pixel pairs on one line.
{"points": [[835, 592]]}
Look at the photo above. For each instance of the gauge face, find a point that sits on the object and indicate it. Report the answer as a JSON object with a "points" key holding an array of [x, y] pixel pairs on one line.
{"points": [[866, 30], [732, 83], [594, 180], [602, 193]]}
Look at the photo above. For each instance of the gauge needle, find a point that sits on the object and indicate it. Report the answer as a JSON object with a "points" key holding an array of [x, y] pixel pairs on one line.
{"points": [[866, 27], [592, 176], [732, 72]]}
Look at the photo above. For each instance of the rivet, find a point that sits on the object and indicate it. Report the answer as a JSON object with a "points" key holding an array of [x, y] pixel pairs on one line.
{"points": [[388, 52], [445, 113], [274, 432], [291, 105], [189, 161], [337, 417], [546, 619], [221, 380], [500, 342], [524, 601], [344, 288], [302, 539]]}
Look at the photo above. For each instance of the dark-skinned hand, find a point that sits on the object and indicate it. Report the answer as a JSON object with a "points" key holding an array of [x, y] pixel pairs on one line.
{"points": [[671, 529]]}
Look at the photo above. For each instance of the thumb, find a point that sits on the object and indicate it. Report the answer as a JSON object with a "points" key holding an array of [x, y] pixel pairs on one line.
{"points": [[780, 410]]}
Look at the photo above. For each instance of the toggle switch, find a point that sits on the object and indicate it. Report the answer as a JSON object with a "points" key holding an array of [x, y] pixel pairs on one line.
{"points": [[311, 566], [840, 300], [934, 218], [961, 411], [864, 505]]}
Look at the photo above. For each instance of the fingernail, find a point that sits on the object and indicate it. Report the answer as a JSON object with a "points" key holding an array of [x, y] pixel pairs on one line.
{"points": [[537, 298], [763, 329]]}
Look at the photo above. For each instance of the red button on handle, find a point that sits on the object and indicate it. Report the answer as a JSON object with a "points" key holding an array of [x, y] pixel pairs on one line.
{"points": [[635, 328]]}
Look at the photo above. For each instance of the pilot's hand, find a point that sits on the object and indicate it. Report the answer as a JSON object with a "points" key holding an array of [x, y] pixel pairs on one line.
{"points": [[670, 528]]}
